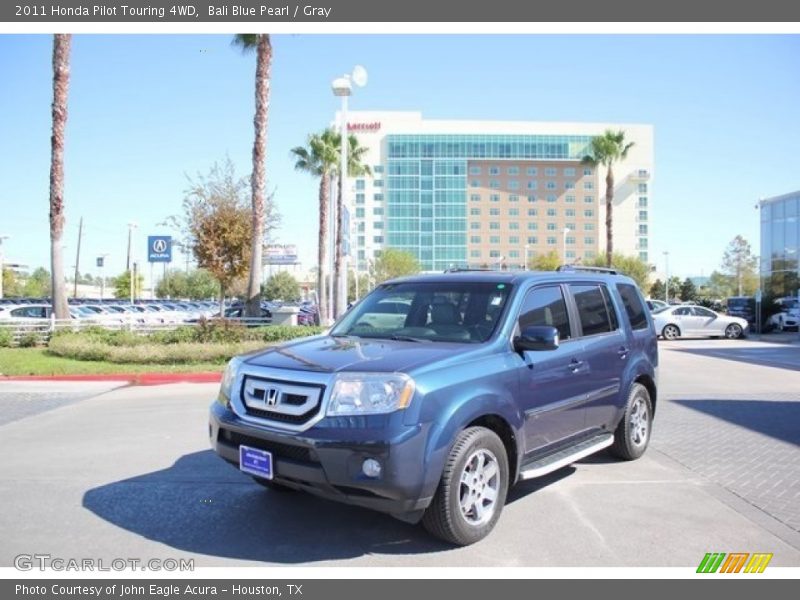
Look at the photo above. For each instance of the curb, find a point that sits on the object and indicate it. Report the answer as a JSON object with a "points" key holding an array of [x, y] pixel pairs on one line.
{"points": [[130, 378]]}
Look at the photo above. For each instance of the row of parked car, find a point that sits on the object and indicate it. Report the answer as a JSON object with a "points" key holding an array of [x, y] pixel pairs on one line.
{"points": [[116, 313]]}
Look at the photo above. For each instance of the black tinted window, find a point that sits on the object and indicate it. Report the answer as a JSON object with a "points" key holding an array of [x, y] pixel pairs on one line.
{"points": [[633, 306], [593, 309], [546, 306]]}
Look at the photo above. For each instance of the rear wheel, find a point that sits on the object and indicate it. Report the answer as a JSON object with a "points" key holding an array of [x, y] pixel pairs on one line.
{"points": [[472, 490], [670, 332], [633, 432], [733, 331]]}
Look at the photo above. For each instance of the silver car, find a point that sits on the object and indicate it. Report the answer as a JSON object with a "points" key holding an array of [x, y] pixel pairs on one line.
{"points": [[697, 321]]}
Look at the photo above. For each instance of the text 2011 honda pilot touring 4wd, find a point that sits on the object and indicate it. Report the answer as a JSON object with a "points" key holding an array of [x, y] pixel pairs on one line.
{"points": [[436, 393]]}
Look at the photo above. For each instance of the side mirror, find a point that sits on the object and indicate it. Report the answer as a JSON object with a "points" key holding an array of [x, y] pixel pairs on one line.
{"points": [[537, 337]]}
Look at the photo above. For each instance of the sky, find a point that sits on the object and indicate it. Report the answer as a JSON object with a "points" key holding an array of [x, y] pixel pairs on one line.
{"points": [[146, 111]]}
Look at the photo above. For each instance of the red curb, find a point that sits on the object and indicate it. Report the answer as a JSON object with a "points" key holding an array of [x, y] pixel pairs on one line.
{"points": [[132, 378]]}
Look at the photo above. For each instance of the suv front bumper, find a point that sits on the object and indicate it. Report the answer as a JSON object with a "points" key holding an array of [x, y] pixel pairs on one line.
{"points": [[327, 461]]}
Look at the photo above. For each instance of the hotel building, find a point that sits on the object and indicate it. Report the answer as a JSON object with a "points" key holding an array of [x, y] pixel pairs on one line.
{"points": [[491, 193]]}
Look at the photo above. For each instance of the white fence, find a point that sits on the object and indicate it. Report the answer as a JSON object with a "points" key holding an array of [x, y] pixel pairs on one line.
{"points": [[39, 331]]}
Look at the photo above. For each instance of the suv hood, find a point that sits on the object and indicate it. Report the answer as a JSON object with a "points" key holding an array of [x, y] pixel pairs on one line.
{"points": [[328, 354]]}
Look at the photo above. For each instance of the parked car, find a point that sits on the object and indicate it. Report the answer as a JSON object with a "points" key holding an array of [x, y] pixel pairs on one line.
{"points": [[485, 379], [656, 304], [788, 317], [697, 321]]}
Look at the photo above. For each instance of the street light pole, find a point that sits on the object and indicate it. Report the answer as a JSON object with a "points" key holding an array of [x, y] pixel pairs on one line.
{"points": [[566, 231], [666, 269], [101, 261], [2, 268]]}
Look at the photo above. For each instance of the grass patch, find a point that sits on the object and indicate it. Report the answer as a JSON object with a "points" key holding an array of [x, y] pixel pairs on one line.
{"points": [[35, 361]]}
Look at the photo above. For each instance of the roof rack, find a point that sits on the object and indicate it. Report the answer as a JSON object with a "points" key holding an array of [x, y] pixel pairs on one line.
{"points": [[465, 270], [566, 268]]}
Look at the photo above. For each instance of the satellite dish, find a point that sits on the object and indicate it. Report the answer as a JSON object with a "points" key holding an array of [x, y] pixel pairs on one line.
{"points": [[359, 76]]}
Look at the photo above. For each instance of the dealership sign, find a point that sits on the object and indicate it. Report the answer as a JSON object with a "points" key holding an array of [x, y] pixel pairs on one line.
{"points": [[281, 254], [159, 248], [364, 127]]}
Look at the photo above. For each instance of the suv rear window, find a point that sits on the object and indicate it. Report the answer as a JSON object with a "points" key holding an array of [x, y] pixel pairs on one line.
{"points": [[633, 306], [593, 309]]}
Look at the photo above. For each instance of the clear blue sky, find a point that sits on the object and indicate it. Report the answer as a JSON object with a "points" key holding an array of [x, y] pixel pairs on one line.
{"points": [[145, 110]]}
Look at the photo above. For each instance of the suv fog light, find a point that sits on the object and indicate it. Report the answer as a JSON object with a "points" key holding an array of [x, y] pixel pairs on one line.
{"points": [[371, 468]]}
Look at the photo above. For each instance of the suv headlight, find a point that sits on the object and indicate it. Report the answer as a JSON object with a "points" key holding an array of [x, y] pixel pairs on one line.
{"points": [[228, 377], [370, 393]]}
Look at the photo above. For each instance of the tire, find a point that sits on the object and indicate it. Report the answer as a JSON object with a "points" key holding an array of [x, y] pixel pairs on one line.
{"points": [[474, 452], [733, 331], [632, 435], [670, 332], [271, 485]]}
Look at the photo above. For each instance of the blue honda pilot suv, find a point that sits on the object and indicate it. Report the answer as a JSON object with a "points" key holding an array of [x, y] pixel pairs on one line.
{"points": [[435, 393]]}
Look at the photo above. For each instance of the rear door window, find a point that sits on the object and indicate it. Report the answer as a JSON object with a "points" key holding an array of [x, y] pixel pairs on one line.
{"points": [[633, 306], [594, 310]]}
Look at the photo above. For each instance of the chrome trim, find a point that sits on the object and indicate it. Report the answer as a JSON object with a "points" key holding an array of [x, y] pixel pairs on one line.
{"points": [[274, 394], [570, 402], [567, 460], [603, 392]]}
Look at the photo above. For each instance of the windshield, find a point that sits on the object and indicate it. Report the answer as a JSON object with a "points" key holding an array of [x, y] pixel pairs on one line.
{"points": [[428, 311]]}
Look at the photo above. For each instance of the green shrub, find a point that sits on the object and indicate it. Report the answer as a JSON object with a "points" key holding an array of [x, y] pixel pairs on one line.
{"points": [[28, 340], [6, 337], [280, 333], [174, 336]]}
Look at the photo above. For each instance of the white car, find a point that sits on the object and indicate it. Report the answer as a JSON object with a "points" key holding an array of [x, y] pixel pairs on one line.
{"points": [[697, 321], [789, 317]]}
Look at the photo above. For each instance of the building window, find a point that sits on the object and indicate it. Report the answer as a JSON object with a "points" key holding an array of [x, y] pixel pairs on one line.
{"points": [[551, 227], [513, 225], [550, 185], [378, 239], [642, 243], [588, 185], [642, 229], [494, 253], [494, 239], [360, 227], [494, 184], [643, 215], [475, 198], [550, 172], [588, 226], [589, 241], [494, 170], [475, 239], [494, 212], [513, 253], [475, 211], [551, 212], [570, 199], [513, 198], [475, 183], [531, 198], [532, 185], [588, 199], [513, 212], [494, 198], [377, 225], [642, 188], [643, 256], [475, 253], [513, 171], [513, 184], [551, 241], [532, 212], [569, 212], [588, 213], [569, 172], [551, 197], [377, 197], [377, 168], [642, 201], [360, 183], [531, 171], [532, 239], [569, 185], [475, 225], [359, 213], [570, 254], [474, 170], [494, 225], [378, 211], [532, 226], [359, 198], [587, 171], [570, 240], [360, 240]]}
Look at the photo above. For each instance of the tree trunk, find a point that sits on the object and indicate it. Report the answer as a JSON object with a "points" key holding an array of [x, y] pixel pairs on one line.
{"points": [[338, 256], [609, 215], [61, 48], [221, 300], [258, 178], [322, 252]]}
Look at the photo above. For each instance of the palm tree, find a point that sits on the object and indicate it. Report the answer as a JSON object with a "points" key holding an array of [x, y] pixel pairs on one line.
{"points": [[320, 159], [355, 168], [61, 48], [260, 43], [606, 150]]}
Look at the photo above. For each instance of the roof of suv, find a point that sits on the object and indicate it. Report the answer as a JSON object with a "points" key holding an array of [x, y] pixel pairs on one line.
{"points": [[477, 276]]}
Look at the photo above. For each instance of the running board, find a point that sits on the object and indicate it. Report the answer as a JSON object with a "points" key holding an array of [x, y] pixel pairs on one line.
{"points": [[567, 456]]}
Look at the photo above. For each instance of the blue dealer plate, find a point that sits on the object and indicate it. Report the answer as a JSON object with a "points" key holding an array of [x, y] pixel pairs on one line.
{"points": [[255, 461]]}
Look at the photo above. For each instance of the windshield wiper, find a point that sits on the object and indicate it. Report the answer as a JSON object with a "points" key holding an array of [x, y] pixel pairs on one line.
{"points": [[407, 338]]}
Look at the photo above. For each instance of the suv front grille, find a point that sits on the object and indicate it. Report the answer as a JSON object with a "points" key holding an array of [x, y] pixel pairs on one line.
{"points": [[292, 403], [278, 449]]}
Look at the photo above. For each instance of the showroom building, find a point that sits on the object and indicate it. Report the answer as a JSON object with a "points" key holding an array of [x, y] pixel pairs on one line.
{"points": [[490, 193], [780, 244]]}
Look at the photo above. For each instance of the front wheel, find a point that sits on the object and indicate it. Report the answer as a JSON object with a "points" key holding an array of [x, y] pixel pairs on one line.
{"points": [[633, 432], [733, 331], [472, 490], [670, 332]]}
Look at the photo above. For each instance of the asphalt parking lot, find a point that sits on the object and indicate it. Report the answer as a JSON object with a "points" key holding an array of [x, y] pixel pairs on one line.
{"points": [[107, 471]]}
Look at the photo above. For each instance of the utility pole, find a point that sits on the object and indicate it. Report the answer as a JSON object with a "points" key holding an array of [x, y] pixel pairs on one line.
{"points": [[77, 259], [2, 239], [131, 227], [666, 268]]}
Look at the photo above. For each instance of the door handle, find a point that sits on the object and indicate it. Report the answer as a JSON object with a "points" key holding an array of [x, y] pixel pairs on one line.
{"points": [[623, 352], [575, 365]]}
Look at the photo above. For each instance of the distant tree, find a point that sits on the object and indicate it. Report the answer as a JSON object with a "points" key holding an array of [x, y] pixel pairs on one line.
{"points": [[282, 286], [216, 223], [37, 284], [197, 284], [632, 266], [364, 287], [394, 263], [657, 290], [720, 285], [545, 262], [61, 50], [674, 287], [740, 265], [688, 291], [606, 150], [122, 285], [260, 44]]}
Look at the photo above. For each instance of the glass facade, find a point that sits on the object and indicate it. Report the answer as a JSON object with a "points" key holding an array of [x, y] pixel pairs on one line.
{"points": [[780, 245], [426, 186]]}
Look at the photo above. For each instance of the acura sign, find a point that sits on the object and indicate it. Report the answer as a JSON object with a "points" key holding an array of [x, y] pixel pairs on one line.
{"points": [[159, 248]]}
